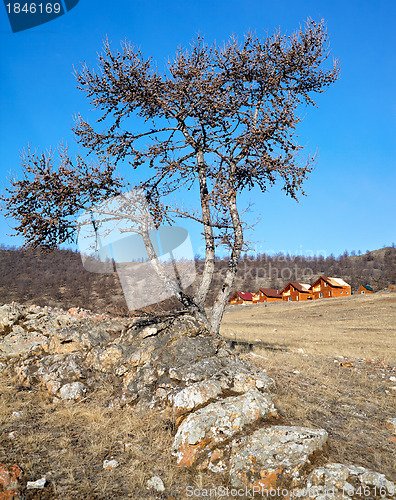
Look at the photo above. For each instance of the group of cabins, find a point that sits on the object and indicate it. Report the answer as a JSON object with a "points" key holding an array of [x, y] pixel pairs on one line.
{"points": [[324, 287]]}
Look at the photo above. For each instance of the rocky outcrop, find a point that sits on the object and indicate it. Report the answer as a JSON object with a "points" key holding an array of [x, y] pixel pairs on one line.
{"points": [[281, 455], [225, 418], [348, 481], [202, 430]]}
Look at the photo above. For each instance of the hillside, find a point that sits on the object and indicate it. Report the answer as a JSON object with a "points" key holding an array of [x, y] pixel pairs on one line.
{"points": [[59, 278]]}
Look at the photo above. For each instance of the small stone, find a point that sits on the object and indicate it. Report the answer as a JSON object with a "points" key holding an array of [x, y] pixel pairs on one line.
{"points": [[9, 476], [392, 379], [72, 392], [16, 414], [53, 386], [156, 484], [110, 464], [12, 434], [391, 423], [339, 478], [36, 485]]}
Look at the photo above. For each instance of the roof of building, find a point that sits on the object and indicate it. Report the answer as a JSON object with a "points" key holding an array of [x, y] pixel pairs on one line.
{"points": [[243, 295], [246, 296], [336, 282], [301, 287], [367, 287], [270, 292]]}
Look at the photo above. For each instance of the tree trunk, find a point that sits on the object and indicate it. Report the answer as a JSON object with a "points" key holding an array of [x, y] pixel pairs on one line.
{"points": [[208, 271], [173, 286], [222, 297]]}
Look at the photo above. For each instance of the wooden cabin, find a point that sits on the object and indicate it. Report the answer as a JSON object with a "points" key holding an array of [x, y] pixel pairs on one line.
{"points": [[243, 298], [296, 292], [325, 287], [365, 289], [268, 295]]}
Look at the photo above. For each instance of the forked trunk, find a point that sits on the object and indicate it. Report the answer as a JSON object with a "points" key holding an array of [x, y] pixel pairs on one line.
{"points": [[222, 297]]}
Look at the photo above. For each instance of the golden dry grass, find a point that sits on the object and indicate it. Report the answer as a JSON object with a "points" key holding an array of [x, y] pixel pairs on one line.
{"points": [[68, 444], [362, 326], [314, 385]]}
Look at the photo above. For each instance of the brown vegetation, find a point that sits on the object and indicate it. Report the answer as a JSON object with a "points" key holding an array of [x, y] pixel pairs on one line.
{"points": [[332, 361], [59, 278], [322, 381], [69, 444]]}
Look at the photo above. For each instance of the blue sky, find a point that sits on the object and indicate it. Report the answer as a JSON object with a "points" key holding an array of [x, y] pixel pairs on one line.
{"points": [[350, 201]]}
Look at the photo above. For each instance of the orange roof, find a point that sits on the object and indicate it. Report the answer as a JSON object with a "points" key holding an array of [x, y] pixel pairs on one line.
{"points": [[300, 287], [270, 292], [243, 295], [334, 282]]}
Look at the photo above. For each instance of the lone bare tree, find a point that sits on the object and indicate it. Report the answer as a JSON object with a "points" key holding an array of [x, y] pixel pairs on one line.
{"points": [[219, 120]]}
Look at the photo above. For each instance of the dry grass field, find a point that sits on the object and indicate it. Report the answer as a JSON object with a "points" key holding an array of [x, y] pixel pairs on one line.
{"points": [[362, 326], [334, 364], [69, 443]]}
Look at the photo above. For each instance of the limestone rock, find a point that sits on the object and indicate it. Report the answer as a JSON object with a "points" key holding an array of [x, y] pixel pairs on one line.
{"points": [[9, 315], [9, 481], [196, 372], [219, 421], [105, 359], [350, 481], [274, 457], [36, 485], [72, 392], [156, 483], [51, 371], [20, 341], [195, 395], [391, 424], [110, 464]]}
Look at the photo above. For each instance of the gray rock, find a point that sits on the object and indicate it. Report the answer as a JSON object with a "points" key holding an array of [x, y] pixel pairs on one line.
{"points": [[36, 485], [156, 483], [195, 395], [274, 456], [350, 480], [110, 464], [198, 371], [217, 422], [72, 392]]}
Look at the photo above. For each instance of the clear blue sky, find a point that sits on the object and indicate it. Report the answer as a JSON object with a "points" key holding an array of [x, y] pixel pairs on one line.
{"points": [[351, 193]]}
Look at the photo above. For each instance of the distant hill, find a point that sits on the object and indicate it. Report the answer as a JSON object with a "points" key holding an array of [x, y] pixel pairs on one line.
{"points": [[59, 278], [376, 268]]}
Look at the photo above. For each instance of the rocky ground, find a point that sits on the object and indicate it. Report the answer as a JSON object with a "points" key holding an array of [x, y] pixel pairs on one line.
{"points": [[161, 389]]}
